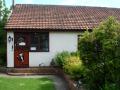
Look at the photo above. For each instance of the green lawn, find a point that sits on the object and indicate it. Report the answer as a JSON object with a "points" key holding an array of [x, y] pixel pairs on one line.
{"points": [[26, 83]]}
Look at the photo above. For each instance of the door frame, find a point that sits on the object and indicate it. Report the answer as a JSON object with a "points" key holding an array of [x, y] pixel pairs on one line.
{"points": [[24, 49]]}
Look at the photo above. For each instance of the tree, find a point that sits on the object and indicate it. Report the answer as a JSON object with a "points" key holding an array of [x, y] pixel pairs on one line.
{"points": [[100, 52], [4, 12]]}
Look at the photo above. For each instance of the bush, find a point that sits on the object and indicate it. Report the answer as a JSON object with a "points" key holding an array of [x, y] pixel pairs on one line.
{"points": [[75, 53], [70, 63], [3, 56], [110, 86], [4, 13], [73, 66], [100, 52], [60, 58]]}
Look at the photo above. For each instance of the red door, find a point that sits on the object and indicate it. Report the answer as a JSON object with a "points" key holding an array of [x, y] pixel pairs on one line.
{"points": [[21, 58], [21, 53]]}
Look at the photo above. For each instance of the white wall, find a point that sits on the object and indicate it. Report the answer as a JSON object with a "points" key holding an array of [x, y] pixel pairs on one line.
{"points": [[58, 42], [10, 51]]}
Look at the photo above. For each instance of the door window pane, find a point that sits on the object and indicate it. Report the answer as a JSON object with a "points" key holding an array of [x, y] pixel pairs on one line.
{"points": [[21, 41]]}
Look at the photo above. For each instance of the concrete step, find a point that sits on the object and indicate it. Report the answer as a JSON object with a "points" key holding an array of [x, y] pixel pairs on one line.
{"points": [[41, 70], [24, 74]]}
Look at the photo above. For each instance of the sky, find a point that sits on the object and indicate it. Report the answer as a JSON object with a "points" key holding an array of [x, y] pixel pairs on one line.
{"points": [[95, 3]]}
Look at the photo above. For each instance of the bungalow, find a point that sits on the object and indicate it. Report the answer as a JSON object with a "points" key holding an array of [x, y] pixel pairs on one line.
{"points": [[35, 33]]}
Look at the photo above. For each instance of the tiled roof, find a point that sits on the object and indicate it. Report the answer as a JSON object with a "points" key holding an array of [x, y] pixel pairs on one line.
{"points": [[31, 16]]}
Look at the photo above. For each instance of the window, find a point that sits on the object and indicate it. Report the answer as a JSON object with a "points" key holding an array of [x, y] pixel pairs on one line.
{"points": [[39, 42], [44, 42], [21, 41], [34, 42]]}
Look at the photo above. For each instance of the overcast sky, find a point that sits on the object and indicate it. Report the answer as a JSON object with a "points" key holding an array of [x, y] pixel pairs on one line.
{"points": [[98, 3]]}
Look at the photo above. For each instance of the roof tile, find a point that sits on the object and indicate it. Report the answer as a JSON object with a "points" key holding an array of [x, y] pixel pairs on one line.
{"points": [[58, 17]]}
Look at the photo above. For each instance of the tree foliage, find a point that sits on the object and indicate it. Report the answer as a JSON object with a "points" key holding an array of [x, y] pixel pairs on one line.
{"points": [[100, 52], [4, 12]]}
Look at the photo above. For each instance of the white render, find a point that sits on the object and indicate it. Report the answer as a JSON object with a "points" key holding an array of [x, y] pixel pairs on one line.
{"points": [[10, 50], [58, 42]]}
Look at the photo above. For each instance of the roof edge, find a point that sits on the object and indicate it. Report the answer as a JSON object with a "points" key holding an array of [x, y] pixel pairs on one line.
{"points": [[69, 6]]}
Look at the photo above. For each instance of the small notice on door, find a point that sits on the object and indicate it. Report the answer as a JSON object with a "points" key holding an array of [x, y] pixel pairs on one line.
{"points": [[22, 44], [33, 48]]}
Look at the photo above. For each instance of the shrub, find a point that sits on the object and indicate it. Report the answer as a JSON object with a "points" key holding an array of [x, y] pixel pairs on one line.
{"points": [[60, 58], [70, 63], [75, 53], [4, 13], [73, 66], [100, 52], [3, 57], [110, 86]]}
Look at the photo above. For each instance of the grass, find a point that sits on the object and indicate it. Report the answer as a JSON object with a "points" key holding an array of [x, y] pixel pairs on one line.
{"points": [[8, 83]]}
